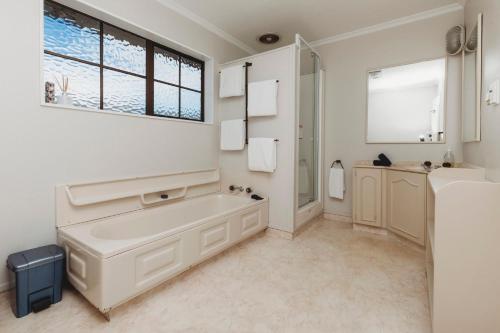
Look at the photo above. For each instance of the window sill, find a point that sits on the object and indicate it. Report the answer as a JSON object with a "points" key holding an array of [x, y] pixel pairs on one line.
{"points": [[76, 108]]}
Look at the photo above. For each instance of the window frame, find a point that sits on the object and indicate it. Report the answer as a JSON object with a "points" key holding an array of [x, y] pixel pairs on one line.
{"points": [[149, 73]]}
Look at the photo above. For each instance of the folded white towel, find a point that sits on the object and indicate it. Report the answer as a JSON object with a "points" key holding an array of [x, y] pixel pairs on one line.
{"points": [[232, 134], [263, 98], [232, 81], [337, 183], [262, 154]]}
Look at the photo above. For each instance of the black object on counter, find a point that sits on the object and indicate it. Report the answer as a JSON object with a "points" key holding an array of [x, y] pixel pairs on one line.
{"points": [[385, 159], [257, 197], [446, 165], [39, 275], [382, 161]]}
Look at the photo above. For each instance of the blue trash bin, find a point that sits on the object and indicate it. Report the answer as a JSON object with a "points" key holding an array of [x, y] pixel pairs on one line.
{"points": [[39, 275]]}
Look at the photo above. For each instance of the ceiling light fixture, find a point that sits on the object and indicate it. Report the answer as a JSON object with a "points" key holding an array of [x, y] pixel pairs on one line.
{"points": [[269, 38]]}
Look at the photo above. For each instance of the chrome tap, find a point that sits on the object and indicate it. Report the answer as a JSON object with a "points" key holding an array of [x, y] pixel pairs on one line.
{"points": [[236, 187]]}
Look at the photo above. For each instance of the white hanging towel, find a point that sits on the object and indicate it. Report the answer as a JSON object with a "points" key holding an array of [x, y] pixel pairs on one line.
{"points": [[262, 154], [337, 183], [232, 134], [232, 81], [263, 98]]}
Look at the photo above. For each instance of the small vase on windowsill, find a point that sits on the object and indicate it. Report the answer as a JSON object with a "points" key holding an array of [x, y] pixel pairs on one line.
{"points": [[64, 99]]}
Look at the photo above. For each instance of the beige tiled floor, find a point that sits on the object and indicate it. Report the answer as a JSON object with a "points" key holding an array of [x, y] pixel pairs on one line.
{"points": [[329, 279]]}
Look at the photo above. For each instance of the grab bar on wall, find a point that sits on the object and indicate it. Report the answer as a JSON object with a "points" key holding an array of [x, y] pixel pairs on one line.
{"points": [[181, 193]]}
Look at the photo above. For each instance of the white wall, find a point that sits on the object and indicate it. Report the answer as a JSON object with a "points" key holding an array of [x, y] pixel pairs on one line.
{"points": [[487, 153], [279, 186], [42, 147], [346, 64]]}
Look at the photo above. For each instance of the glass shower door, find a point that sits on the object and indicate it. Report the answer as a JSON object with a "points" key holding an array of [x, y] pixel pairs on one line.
{"points": [[308, 125]]}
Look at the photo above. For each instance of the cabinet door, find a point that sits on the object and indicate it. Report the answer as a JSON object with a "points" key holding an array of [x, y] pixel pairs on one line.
{"points": [[367, 196], [406, 204]]}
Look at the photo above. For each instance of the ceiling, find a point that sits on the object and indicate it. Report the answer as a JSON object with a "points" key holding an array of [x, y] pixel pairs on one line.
{"points": [[313, 19]]}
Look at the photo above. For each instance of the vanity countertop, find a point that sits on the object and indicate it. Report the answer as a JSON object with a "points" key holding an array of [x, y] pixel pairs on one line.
{"points": [[398, 166]]}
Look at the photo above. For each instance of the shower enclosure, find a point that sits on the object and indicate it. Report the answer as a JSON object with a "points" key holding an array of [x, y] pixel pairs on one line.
{"points": [[295, 188], [308, 124]]}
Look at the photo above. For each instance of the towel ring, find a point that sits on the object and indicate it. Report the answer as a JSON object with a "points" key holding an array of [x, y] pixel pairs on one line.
{"points": [[337, 162]]}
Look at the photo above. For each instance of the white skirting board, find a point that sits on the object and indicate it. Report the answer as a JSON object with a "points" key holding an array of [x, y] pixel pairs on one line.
{"points": [[337, 217]]}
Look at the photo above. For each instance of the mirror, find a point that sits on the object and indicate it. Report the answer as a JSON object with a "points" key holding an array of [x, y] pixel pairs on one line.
{"points": [[472, 83], [406, 104]]}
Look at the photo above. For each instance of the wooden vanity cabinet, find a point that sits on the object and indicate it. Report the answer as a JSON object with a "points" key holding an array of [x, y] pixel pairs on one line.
{"points": [[367, 204], [392, 199], [405, 195]]}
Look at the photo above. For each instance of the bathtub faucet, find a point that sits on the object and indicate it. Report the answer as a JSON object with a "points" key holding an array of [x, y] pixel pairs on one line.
{"points": [[235, 187]]}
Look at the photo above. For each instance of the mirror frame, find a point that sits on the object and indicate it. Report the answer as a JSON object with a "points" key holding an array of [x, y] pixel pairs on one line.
{"points": [[479, 82], [445, 106]]}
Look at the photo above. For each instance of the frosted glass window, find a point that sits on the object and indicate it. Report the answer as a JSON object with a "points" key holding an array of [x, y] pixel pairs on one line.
{"points": [[123, 50], [124, 93], [166, 66], [111, 69], [70, 33], [173, 73], [83, 80], [191, 74], [190, 104], [166, 100]]}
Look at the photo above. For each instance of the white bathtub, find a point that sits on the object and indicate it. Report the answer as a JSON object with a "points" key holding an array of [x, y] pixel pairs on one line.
{"points": [[114, 259]]}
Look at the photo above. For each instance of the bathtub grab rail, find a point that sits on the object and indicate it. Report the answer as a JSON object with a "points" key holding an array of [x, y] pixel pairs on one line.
{"points": [[169, 198], [125, 195]]}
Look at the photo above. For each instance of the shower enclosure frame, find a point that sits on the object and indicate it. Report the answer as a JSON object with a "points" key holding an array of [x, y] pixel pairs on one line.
{"points": [[312, 209]]}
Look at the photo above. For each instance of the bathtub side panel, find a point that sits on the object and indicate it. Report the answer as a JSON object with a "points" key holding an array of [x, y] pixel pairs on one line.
{"points": [[109, 282], [84, 271], [219, 234], [130, 273], [253, 221]]}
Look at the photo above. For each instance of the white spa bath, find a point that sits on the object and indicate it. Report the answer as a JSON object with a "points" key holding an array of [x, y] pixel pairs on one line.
{"points": [[113, 259]]}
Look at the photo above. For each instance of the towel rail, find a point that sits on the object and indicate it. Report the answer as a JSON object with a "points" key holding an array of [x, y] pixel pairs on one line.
{"points": [[337, 162], [246, 65]]}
